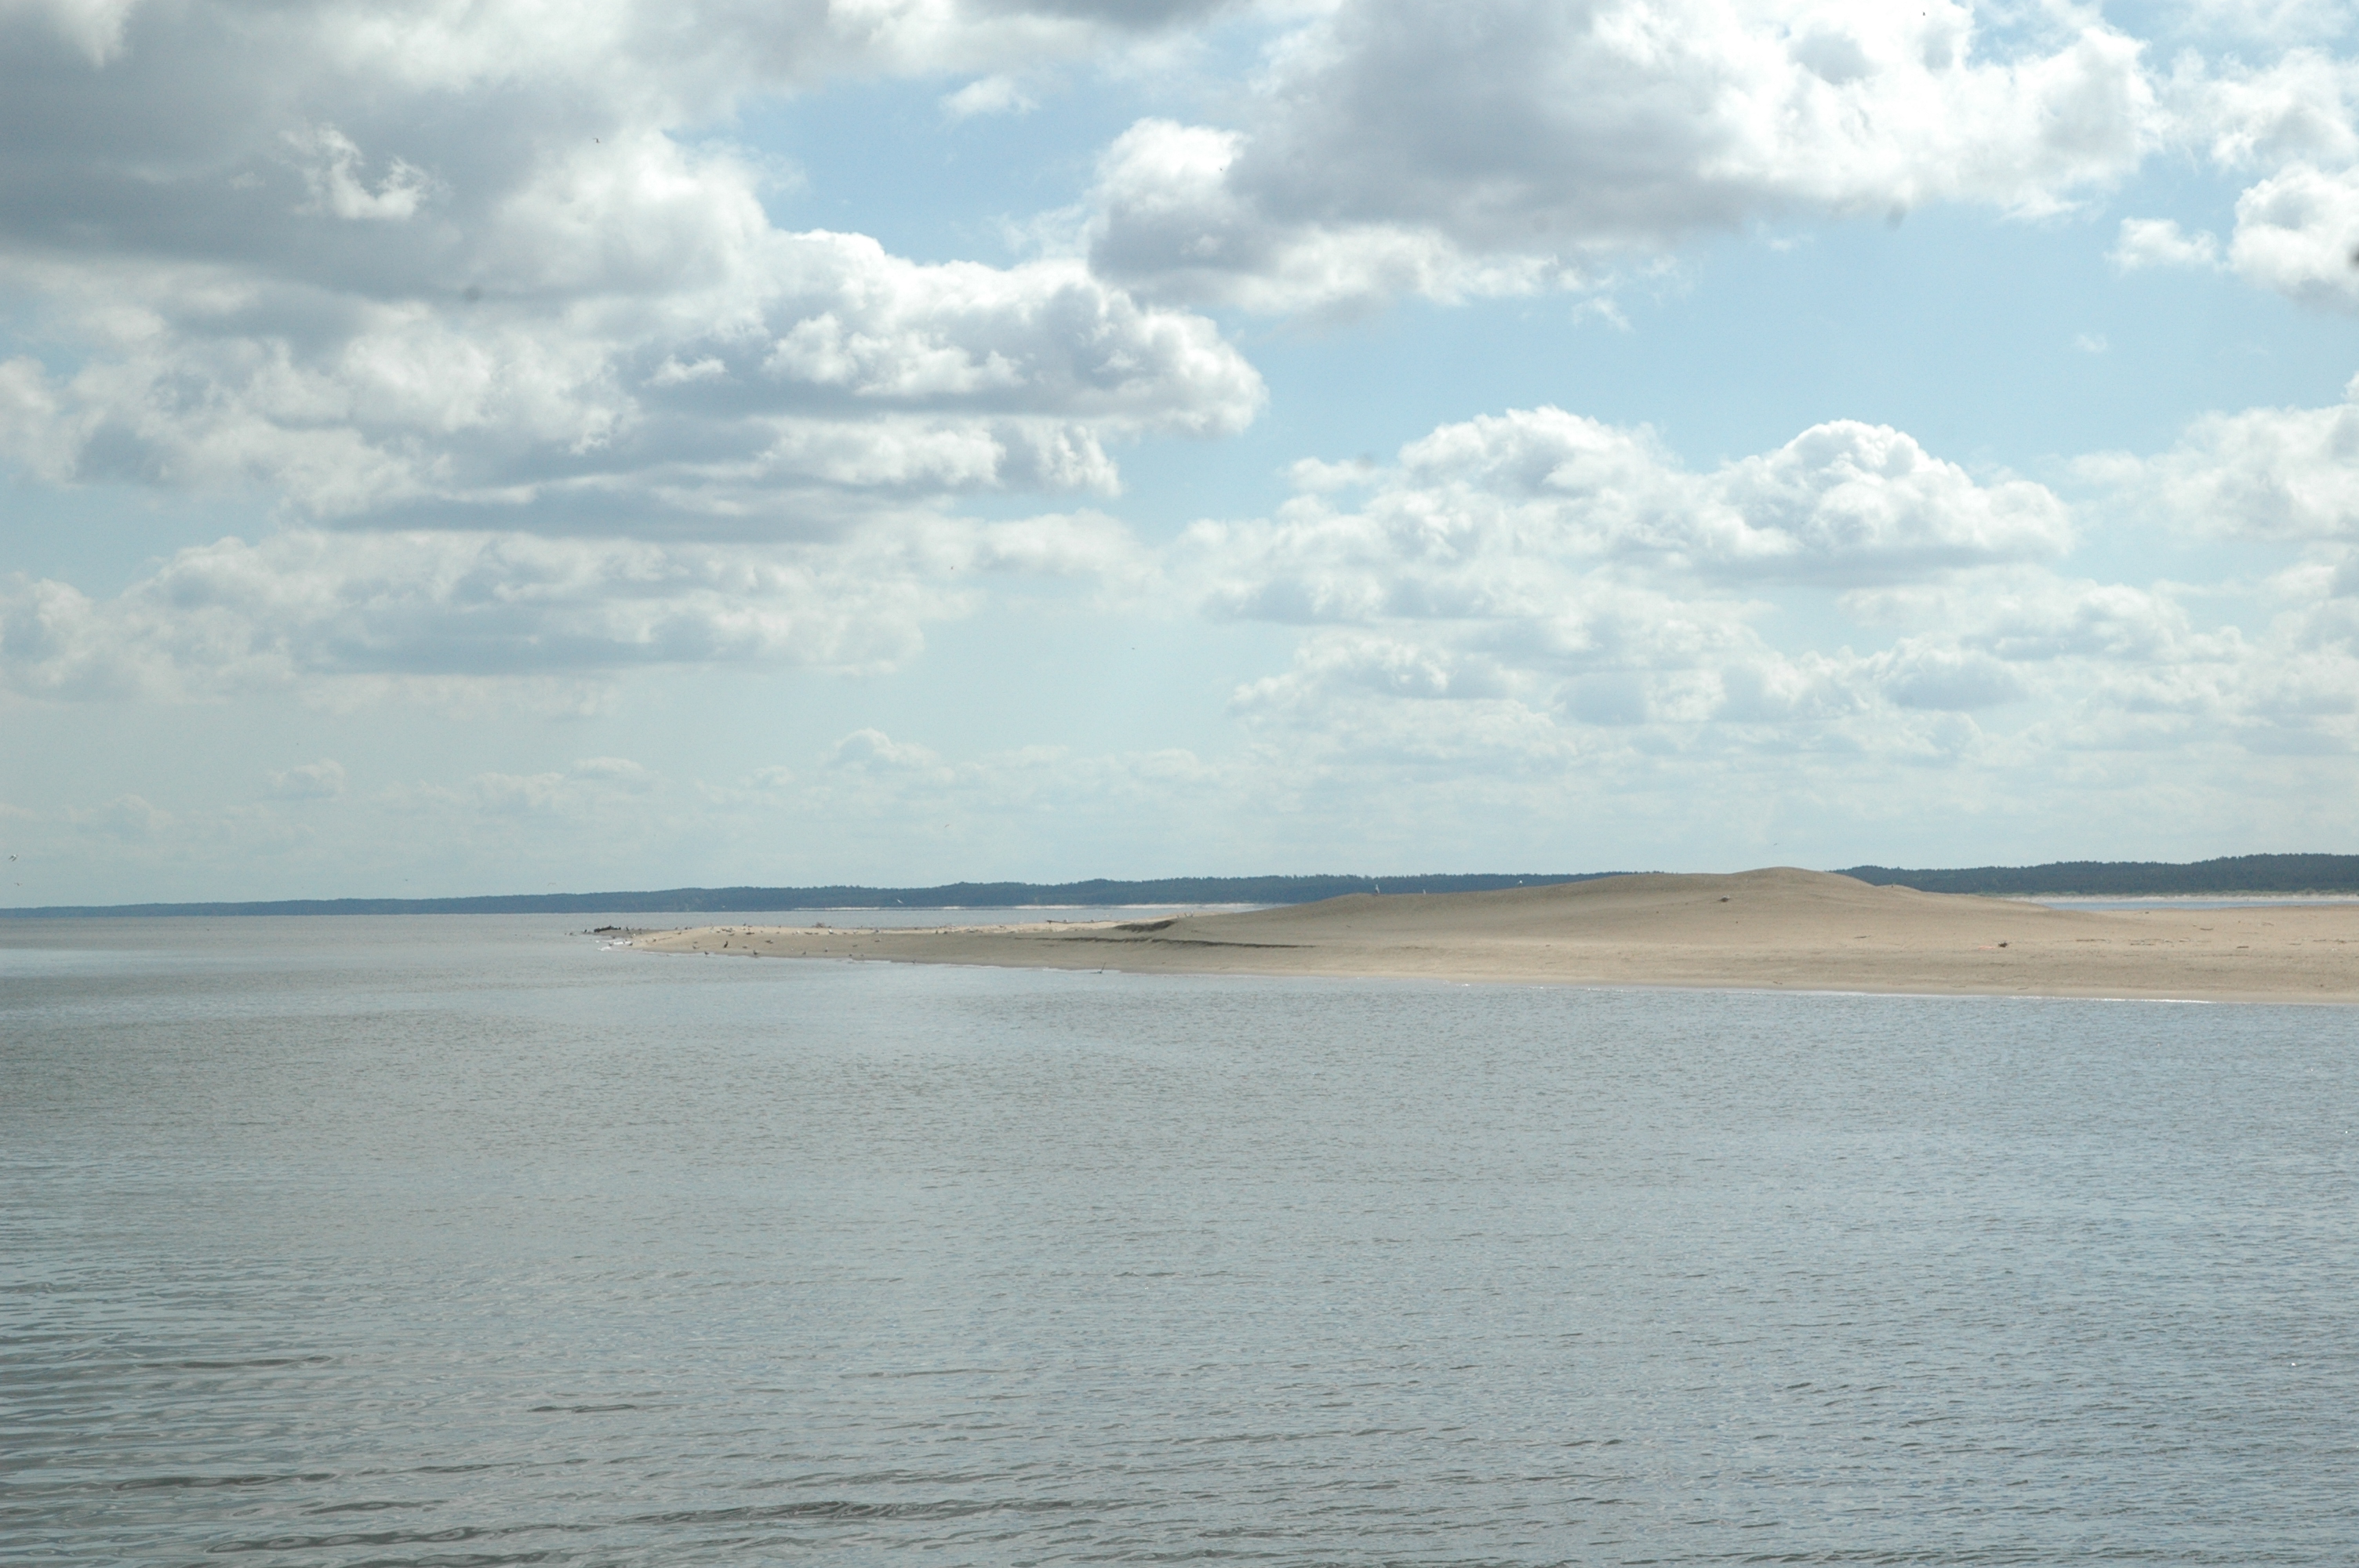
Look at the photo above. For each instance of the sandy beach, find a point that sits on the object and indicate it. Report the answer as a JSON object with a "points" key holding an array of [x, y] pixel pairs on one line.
{"points": [[1778, 929]]}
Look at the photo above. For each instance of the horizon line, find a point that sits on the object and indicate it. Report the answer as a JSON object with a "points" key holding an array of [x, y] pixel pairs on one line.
{"points": [[2223, 875]]}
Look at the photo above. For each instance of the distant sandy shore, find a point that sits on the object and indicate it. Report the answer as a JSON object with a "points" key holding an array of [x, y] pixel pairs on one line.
{"points": [[1769, 930]]}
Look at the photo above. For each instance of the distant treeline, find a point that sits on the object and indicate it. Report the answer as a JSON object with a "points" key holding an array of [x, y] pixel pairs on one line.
{"points": [[2118, 878], [1097, 892], [2135, 878]]}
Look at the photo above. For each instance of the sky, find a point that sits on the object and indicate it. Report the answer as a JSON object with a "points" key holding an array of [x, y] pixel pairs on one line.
{"points": [[454, 448]]}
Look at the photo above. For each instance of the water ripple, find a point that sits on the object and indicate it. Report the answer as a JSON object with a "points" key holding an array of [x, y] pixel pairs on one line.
{"points": [[450, 1242]]}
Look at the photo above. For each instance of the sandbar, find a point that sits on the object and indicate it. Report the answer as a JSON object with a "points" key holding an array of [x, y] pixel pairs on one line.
{"points": [[1775, 929]]}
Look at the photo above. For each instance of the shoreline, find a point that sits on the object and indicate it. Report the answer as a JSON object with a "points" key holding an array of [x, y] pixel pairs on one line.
{"points": [[1778, 929]]}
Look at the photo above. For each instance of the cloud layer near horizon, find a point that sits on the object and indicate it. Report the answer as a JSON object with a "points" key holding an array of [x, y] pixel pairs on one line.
{"points": [[1536, 561]]}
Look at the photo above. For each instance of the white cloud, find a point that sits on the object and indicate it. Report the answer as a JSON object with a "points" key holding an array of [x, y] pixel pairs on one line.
{"points": [[2298, 232], [129, 818], [1170, 223], [2280, 22], [819, 377], [1538, 590], [1356, 172], [857, 380], [1507, 516], [322, 780], [1085, 546], [1420, 697], [2037, 617], [93, 28], [873, 751], [414, 265], [306, 606], [1918, 674], [987, 95], [616, 772], [332, 166], [591, 789], [2259, 473], [2295, 121], [477, 291], [2160, 242], [2296, 107]]}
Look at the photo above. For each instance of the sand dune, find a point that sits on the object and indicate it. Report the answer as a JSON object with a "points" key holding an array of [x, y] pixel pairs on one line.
{"points": [[1775, 929]]}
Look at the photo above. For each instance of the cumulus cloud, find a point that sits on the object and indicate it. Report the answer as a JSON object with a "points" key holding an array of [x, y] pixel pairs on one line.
{"points": [[129, 818], [2298, 232], [591, 786], [2020, 692], [1539, 573], [2280, 22], [873, 751], [93, 28], [1013, 808], [988, 95], [2293, 107], [1504, 516], [1525, 589], [394, 263], [1607, 128], [2294, 121], [2258, 473], [322, 780], [545, 390], [330, 167], [306, 605], [832, 378], [1946, 678], [2160, 242]]}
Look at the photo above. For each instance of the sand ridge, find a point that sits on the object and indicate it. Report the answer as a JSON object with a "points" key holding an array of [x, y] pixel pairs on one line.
{"points": [[1779, 928]]}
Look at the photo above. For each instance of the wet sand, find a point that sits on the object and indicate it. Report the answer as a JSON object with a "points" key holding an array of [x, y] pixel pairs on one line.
{"points": [[1779, 929]]}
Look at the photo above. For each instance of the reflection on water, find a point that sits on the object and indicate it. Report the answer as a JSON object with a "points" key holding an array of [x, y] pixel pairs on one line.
{"points": [[463, 1240]]}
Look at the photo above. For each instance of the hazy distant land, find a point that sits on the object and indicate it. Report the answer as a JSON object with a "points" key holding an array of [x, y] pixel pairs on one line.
{"points": [[2237, 874], [1778, 929], [2227, 877]]}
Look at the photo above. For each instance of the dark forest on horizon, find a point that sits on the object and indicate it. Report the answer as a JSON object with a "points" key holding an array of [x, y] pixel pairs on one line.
{"points": [[2229, 876]]}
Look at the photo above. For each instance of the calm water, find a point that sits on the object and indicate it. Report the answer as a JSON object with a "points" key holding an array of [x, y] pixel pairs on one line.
{"points": [[459, 1240]]}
